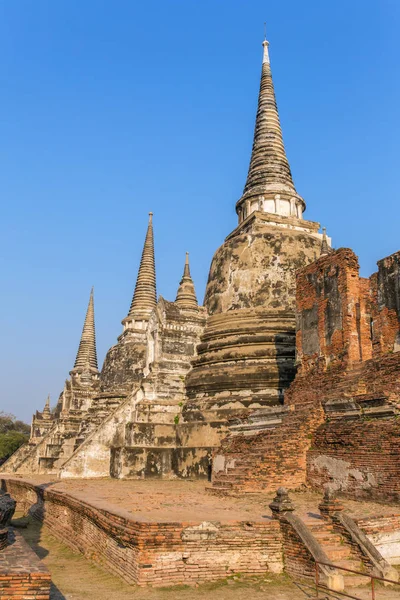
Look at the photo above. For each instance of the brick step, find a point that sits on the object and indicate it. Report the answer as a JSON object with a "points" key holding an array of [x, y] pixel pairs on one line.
{"points": [[321, 529], [331, 538], [224, 479], [316, 524], [229, 479], [222, 484], [336, 553], [219, 491], [351, 580]]}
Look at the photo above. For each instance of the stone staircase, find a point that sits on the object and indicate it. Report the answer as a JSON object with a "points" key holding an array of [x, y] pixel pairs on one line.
{"points": [[158, 440], [337, 549], [59, 445], [330, 538], [100, 409]]}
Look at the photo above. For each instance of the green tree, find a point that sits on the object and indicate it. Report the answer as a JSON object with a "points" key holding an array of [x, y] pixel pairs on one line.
{"points": [[13, 433], [10, 423]]}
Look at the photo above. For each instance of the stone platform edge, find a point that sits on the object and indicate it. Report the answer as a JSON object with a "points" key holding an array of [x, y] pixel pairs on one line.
{"points": [[145, 552]]}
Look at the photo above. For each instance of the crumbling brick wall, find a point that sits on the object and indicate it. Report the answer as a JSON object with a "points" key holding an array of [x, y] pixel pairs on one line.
{"points": [[332, 307], [385, 296], [357, 449], [267, 460], [361, 456]]}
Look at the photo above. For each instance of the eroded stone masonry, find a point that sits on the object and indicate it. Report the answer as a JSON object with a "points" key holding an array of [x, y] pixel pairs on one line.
{"points": [[288, 375]]}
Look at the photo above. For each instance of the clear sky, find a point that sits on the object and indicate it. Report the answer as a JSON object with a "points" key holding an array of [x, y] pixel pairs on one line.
{"points": [[110, 109]]}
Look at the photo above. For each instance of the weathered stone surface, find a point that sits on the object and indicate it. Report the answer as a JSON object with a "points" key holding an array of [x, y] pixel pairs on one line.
{"points": [[124, 364], [386, 317], [248, 343], [257, 268]]}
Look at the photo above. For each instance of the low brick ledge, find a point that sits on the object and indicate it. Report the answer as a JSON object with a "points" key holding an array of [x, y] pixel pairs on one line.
{"points": [[22, 573], [145, 552]]}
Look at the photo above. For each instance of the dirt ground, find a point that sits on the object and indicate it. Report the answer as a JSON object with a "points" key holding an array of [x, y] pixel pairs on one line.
{"points": [[178, 500]]}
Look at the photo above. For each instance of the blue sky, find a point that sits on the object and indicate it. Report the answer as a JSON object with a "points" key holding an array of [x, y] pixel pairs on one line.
{"points": [[112, 109]]}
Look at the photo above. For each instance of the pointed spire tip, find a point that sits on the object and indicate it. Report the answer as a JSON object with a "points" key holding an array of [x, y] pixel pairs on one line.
{"points": [[325, 249], [145, 296], [87, 345], [186, 295]]}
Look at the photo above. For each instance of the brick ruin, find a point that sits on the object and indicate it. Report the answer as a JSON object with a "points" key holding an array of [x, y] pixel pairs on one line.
{"points": [[356, 361], [149, 552], [288, 375], [339, 422]]}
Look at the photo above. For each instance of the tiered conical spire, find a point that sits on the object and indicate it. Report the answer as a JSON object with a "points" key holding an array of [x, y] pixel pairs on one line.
{"points": [[325, 249], [269, 172], [186, 295], [46, 414], [145, 296], [87, 355]]}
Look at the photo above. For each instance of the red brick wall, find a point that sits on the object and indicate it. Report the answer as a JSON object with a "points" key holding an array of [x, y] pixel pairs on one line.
{"points": [[385, 295], [149, 553], [332, 305], [22, 574], [263, 462], [299, 562], [380, 524], [361, 456]]}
